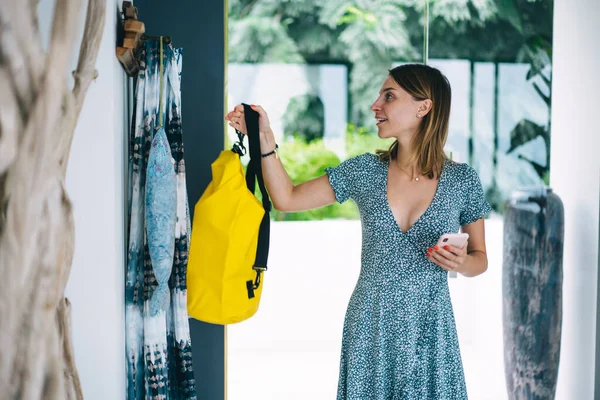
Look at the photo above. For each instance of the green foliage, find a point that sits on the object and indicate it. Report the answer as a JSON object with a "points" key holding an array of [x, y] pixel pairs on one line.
{"points": [[305, 117], [360, 140], [496, 198], [355, 14], [370, 35], [367, 35], [535, 30], [261, 39], [546, 178], [455, 12], [526, 131], [303, 162], [373, 34]]}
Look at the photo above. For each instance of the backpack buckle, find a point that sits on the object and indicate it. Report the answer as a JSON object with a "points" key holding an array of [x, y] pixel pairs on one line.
{"points": [[239, 147], [252, 286]]}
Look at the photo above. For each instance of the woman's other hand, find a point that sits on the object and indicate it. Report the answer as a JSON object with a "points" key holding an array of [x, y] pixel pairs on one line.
{"points": [[237, 119], [449, 258]]}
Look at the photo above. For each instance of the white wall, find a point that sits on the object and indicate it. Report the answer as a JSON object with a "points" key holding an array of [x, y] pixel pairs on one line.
{"points": [[574, 176], [95, 182]]}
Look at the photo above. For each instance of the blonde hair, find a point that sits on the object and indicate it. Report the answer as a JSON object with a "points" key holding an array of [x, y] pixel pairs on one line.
{"points": [[424, 82]]}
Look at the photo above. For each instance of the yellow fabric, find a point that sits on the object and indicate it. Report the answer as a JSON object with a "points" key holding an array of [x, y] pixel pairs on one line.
{"points": [[223, 247]]}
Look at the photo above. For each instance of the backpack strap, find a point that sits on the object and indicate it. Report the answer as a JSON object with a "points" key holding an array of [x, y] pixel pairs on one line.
{"points": [[254, 173]]}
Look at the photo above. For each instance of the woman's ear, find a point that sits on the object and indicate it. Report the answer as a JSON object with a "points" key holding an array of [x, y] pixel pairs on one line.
{"points": [[425, 107]]}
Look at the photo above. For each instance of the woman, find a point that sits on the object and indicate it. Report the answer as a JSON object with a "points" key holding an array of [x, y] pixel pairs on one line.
{"points": [[399, 339]]}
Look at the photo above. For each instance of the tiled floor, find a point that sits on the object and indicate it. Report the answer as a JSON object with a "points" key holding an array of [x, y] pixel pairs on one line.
{"points": [[290, 349]]}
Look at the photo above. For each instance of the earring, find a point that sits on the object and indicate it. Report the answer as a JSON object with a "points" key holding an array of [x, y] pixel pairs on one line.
{"points": [[418, 115]]}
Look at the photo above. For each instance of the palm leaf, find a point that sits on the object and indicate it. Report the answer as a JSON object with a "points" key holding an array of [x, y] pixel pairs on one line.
{"points": [[509, 10], [261, 39], [524, 132], [541, 170]]}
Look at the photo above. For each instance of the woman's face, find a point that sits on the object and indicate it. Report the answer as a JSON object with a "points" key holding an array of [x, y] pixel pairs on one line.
{"points": [[396, 111]]}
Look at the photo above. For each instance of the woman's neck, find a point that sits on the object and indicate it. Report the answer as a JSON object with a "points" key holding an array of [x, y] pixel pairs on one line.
{"points": [[403, 159]]}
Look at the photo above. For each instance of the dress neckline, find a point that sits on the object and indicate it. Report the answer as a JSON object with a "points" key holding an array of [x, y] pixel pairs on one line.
{"points": [[386, 165]]}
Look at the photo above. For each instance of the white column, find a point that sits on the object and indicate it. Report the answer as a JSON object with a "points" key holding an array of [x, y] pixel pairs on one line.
{"points": [[574, 176], [95, 182]]}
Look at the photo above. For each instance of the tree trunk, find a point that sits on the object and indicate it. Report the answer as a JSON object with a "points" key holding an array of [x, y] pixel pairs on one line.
{"points": [[36, 222]]}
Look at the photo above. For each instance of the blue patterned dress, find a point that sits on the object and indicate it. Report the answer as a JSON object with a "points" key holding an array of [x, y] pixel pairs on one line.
{"points": [[399, 339]]}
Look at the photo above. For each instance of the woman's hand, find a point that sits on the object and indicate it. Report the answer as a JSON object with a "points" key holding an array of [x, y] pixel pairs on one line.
{"points": [[237, 119], [449, 258]]}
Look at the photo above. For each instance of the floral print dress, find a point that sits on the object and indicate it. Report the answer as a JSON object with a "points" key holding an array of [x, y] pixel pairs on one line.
{"points": [[399, 338]]}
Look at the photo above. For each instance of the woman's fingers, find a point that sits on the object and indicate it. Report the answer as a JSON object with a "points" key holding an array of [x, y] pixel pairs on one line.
{"points": [[263, 121], [258, 109], [234, 115], [237, 128], [442, 261], [237, 112], [449, 252], [237, 119]]}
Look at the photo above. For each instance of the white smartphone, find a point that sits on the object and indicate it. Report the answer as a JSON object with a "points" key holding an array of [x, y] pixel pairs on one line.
{"points": [[453, 239]]}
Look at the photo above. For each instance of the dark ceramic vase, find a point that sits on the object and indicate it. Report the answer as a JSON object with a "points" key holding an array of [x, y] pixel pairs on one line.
{"points": [[532, 278]]}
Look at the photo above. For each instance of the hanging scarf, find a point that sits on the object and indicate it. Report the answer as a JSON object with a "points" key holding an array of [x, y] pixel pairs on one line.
{"points": [[159, 355]]}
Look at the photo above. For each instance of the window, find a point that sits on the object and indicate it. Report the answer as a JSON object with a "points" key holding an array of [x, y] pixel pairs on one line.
{"points": [[316, 67]]}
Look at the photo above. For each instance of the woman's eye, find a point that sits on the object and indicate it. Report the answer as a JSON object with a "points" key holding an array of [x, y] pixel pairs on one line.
{"points": [[388, 96]]}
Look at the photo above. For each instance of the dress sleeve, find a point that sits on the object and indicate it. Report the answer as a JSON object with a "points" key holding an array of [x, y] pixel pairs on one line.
{"points": [[343, 177], [475, 206]]}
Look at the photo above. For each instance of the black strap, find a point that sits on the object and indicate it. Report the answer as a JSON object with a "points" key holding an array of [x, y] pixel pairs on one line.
{"points": [[253, 173]]}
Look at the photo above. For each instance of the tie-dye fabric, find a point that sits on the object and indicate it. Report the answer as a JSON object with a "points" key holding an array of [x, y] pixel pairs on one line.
{"points": [[159, 354]]}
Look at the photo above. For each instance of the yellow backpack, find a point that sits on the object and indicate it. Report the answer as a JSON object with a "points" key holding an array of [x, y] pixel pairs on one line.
{"points": [[230, 237]]}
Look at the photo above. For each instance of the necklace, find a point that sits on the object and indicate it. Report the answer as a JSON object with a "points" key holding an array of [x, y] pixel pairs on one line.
{"points": [[412, 178]]}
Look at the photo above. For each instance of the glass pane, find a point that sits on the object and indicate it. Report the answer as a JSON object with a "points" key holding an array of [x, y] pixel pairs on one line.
{"points": [[316, 67], [497, 56]]}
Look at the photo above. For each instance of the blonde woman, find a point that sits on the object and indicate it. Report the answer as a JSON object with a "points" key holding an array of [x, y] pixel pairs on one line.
{"points": [[399, 338]]}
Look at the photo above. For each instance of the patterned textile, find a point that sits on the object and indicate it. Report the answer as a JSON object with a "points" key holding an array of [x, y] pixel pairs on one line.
{"points": [[161, 216], [158, 347], [399, 339]]}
